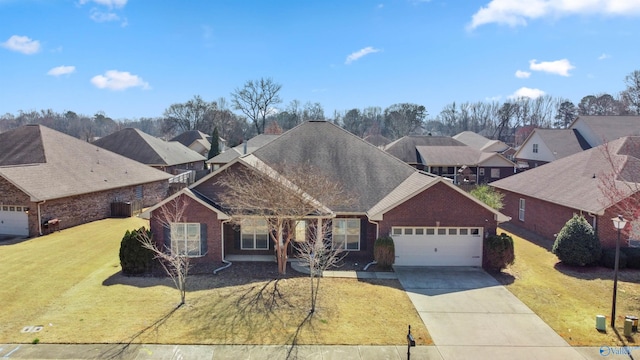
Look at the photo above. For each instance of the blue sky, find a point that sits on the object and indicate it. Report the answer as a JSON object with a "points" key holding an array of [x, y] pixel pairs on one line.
{"points": [[134, 58]]}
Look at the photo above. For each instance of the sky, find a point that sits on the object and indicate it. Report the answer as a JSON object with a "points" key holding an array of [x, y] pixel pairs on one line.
{"points": [[134, 58]]}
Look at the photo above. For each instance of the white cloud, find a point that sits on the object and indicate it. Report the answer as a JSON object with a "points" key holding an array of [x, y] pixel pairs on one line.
{"points": [[522, 74], [604, 56], [99, 16], [558, 67], [61, 70], [118, 80], [517, 12], [525, 92], [360, 53], [22, 44], [108, 3]]}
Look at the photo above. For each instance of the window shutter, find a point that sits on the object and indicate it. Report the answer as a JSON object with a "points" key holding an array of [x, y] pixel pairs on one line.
{"points": [[203, 239], [363, 234], [167, 237], [236, 237]]}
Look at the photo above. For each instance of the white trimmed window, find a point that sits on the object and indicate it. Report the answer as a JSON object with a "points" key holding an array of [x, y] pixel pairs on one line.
{"points": [[185, 239], [254, 234], [535, 148], [301, 231], [521, 210], [495, 173], [346, 234]]}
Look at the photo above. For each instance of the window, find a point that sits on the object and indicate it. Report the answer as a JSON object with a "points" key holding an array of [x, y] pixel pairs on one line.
{"points": [[475, 232], [254, 234], [346, 233], [185, 239], [419, 231], [301, 231], [139, 193], [453, 231], [397, 231], [535, 148], [521, 210], [431, 231], [495, 173], [442, 231], [408, 231], [464, 231]]}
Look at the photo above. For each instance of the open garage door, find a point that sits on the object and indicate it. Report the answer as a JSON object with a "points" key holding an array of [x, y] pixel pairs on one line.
{"points": [[442, 246], [14, 220]]}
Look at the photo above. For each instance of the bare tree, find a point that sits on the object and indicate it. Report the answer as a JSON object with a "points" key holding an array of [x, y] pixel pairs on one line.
{"points": [[319, 254], [256, 99], [631, 95], [195, 114], [403, 119], [174, 259], [279, 196]]}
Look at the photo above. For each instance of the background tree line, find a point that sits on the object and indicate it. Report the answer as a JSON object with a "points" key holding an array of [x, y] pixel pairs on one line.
{"points": [[256, 108]]}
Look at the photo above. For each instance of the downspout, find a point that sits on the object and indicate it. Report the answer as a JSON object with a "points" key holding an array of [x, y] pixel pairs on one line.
{"points": [[40, 217], [228, 263], [377, 235]]}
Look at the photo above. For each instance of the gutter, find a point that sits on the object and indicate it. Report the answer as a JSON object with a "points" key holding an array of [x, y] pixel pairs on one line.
{"points": [[227, 263]]}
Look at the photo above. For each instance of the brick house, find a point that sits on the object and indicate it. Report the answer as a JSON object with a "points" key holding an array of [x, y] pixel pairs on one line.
{"points": [[51, 181], [543, 199], [432, 221]]}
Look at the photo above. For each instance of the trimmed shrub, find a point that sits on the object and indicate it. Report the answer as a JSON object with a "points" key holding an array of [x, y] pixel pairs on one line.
{"points": [[498, 252], [135, 259], [633, 257], [384, 252], [609, 259], [577, 244]]}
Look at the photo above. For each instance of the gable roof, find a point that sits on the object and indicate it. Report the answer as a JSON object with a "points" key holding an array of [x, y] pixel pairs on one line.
{"points": [[600, 129], [560, 142], [365, 171], [573, 181], [247, 147], [193, 195], [457, 155], [47, 164], [142, 147], [480, 142], [415, 184], [405, 147], [377, 140]]}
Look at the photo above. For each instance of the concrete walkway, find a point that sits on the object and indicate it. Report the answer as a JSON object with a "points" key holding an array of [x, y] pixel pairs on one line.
{"points": [[470, 315]]}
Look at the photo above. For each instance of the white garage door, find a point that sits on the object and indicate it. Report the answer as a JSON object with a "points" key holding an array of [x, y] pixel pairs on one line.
{"points": [[428, 246], [13, 220]]}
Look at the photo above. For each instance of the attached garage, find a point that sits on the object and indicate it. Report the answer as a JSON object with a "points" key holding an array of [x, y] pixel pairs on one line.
{"points": [[438, 246], [14, 220]]}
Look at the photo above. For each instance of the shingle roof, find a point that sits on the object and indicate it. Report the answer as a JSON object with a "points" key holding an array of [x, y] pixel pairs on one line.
{"points": [[563, 142], [574, 181], [363, 169], [251, 145], [188, 137], [147, 149], [609, 128], [377, 140], [405, 147], [479, 142], [47, 164]]}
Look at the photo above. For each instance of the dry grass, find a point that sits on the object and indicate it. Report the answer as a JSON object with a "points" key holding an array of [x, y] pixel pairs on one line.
{"points": [[569, 298], [70, 283]]}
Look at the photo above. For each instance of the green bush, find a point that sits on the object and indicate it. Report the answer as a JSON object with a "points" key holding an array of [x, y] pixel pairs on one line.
{"points": [[577, 244], [498, 252], [633, 257], [384, 252], [135, 259], [609, 259]]}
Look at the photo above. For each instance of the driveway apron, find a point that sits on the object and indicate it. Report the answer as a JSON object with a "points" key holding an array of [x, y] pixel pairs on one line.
{"points": [[470, 315]]}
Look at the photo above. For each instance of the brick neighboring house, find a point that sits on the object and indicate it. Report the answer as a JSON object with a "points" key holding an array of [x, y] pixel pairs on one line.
{"points": [[543, 199], [169, 156], [432, 221], [47, 175]]}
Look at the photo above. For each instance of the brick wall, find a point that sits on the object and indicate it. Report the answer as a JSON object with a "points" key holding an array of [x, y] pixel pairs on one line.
{"points": [[194, 212], [80, 209], [439, 205]]}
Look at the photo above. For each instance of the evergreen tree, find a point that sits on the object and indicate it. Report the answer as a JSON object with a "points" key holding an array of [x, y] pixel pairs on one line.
{"points": [[215, 145]]}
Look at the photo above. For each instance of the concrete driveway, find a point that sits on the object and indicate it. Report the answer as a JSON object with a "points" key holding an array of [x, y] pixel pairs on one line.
{"points": [[470, 315]]}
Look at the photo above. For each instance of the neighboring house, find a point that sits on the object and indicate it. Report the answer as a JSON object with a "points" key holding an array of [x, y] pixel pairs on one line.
{"points": [[585, 132], [377, 140], [543, 199], [432, 221], [49, 180], [480, 142], [169, 156], [199, 142], [405, 147], [464, 164], [246, 147], [547, 145]]}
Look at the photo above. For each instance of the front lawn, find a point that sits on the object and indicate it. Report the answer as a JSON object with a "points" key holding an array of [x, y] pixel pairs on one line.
{"points": [[70, 283], [569, 298]]}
